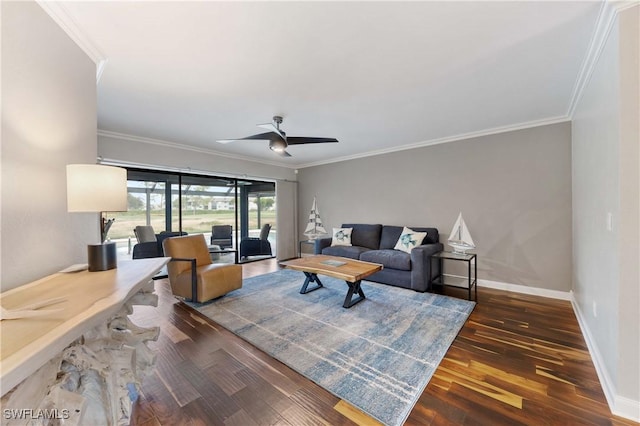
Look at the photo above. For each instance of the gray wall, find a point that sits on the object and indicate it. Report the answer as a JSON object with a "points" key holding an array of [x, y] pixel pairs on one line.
{"points": [[605, 180], [48, 121], [513, 189], [629, 229]]}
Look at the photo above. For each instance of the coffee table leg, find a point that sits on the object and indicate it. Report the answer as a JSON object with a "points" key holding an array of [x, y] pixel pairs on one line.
{"points": [[311, 278], [353, 289]]}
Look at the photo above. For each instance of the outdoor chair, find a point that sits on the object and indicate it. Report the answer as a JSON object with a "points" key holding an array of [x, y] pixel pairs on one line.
{"points": [[193, 276], [149, 243], [222, 236], [144, 233], [252, 246]]}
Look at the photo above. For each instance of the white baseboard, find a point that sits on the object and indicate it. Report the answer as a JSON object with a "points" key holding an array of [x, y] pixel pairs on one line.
{"points": [[627, 408], [534, 291], [619, 405]]}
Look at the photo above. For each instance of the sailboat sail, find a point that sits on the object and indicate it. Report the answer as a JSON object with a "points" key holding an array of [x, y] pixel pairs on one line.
{"points": [[460, 238], [314, 226]]}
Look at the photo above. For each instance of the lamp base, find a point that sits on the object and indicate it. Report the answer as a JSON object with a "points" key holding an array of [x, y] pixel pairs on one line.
{"points": [[102, 257]]}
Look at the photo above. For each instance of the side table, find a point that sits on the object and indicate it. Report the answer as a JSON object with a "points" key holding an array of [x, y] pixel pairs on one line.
{"points": [[301, 242], [455, 280]]}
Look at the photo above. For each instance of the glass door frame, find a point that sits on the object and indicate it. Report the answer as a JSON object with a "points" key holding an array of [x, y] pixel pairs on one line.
{"points": [[174, 186]]}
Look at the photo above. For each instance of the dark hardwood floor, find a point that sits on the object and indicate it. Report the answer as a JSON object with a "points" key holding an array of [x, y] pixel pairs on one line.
{"points": [[518, 360]]}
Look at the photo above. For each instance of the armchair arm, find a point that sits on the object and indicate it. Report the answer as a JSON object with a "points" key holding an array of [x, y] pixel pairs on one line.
{"points": [[422, 267], [320, 244], [194, 277]]}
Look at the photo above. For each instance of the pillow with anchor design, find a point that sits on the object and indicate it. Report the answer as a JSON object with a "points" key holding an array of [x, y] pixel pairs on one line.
{"points": [[341, 236], [409, 239]]}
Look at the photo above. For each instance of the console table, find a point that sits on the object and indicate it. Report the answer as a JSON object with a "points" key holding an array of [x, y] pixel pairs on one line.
{"points": [[82, 362]]}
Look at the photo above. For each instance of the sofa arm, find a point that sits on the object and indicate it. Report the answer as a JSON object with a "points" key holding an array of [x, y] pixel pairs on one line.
{"points": [[321, 243], [423, 268]]}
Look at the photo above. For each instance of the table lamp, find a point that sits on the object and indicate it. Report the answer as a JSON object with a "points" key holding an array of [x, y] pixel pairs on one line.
{"points": [[96, 188]]}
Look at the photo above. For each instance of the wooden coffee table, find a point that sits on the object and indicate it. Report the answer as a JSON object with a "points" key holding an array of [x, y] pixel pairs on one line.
{"points": [[349, 270]]}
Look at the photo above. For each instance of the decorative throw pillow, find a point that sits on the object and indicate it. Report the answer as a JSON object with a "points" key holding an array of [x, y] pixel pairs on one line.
{"points": [[409, 239], [341, 237]]}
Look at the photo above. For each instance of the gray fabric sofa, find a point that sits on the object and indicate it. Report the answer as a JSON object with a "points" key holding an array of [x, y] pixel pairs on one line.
{"points": [[375, 243]]}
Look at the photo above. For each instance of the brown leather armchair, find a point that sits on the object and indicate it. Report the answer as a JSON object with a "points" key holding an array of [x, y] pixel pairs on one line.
{"points": [[193, 276]]}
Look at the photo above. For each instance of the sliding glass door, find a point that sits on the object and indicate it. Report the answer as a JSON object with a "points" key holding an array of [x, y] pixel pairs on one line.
{"points": [[207, 202], [195, 204]]}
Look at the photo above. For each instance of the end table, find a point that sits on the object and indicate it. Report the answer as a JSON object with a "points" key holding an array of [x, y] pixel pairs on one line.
{"points": [[456, 280], [301, 242]]}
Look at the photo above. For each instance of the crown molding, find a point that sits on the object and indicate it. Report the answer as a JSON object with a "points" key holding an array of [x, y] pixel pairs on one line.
{"points": [[459, 137], [59, 14], [167, 144], [463, 136], [620, 5], [604, 23]]}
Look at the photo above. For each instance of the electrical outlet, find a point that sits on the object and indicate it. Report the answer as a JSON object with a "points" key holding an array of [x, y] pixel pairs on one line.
{"points": [[609, 221], [595, 309]]}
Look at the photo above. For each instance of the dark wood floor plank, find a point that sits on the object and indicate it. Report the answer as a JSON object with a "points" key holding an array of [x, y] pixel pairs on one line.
{"points": [[319, 403], [226, 377], [519, 359], [261, 412], [161, 402], [212, 395], [180, 388], [241, 418]]}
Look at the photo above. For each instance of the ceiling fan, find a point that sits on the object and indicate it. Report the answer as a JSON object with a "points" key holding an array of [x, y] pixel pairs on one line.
{"points": [[278, 139]]}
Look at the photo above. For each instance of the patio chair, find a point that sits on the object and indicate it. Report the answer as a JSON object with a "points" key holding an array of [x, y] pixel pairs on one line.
{"points": [[222, 235], [150, 243], [144, 233], [193, 276], [252, 246]]}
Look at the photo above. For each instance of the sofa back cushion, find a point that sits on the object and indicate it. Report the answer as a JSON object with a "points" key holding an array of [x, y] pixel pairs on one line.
{"points": [[390, 235], [364, 235]]}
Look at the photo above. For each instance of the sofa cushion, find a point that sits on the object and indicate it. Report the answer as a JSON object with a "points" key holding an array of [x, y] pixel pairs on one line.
{"points": [[392, 259], [390, 235], [365, 235], [341, 237], [352, 252], [409, 239]]}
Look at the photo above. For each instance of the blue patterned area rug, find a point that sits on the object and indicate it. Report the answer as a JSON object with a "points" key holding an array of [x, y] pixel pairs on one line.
{"points": [[378, 355]]}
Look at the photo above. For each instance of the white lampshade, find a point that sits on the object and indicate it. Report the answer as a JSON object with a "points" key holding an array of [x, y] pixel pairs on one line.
{"points": [[96, 188]]}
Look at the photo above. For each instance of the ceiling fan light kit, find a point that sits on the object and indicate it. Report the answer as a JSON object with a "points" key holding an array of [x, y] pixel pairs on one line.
{"points": [[277, 138], [277, 145]]}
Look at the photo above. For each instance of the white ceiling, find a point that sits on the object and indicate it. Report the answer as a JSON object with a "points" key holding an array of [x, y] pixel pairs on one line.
{"points": [[377, 76]]}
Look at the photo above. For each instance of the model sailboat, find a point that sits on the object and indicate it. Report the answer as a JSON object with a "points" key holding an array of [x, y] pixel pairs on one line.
{"points": [[460, 238], [314, 227]]}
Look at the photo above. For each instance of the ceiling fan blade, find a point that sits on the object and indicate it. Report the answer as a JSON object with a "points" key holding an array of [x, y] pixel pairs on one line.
{"points": [[268, 126], [297, 140], [283, 153], [260, 137], [274, 129]]}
